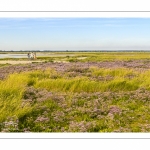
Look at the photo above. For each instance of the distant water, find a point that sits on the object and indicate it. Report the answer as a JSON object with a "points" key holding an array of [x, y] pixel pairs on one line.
{"points": [[38, 55], [13, 55]]}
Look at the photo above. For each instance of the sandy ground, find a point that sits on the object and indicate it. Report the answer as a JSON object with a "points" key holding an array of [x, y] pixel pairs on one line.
{"points": [[13, 62], [17, 62], [82, 57]]}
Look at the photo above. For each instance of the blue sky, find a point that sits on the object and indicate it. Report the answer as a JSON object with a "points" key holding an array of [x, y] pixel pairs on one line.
{"points": [[74, 33]]}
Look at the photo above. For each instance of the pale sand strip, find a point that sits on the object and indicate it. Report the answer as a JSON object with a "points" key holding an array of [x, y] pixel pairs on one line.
{"points": [[17, 62]]}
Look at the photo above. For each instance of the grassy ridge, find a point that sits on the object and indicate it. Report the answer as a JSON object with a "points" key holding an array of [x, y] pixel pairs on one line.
{"points": [[112, 80], [96, 100]]}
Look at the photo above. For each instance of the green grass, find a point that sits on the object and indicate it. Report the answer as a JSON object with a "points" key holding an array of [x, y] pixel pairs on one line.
{"points": [[105, 56], [4, 65], [114, 56]]}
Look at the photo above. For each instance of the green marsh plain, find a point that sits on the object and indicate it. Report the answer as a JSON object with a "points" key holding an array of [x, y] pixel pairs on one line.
{"points": [[76, 92]]}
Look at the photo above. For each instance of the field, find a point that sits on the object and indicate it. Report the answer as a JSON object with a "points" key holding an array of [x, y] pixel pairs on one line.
{"points": [[76, 92]]}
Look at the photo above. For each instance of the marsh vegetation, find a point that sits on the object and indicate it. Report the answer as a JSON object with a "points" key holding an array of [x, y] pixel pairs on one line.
{"points": [[92, 92]]}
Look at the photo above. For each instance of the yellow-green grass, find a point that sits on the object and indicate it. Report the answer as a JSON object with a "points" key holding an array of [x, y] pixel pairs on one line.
{"points": [[118, 72], [106, 56], [11, 92], [123, 80], [103, 56], [53, 81]]}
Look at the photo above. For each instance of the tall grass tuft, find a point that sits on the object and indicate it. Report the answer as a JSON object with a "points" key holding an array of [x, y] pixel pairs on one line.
{"points": [[11, 92]]}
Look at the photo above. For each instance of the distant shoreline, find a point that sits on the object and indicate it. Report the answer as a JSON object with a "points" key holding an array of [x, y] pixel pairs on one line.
{"points": [[4, 51]]}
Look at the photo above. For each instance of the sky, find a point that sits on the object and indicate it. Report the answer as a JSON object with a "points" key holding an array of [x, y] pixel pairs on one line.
{"points": [[74, 33]]}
